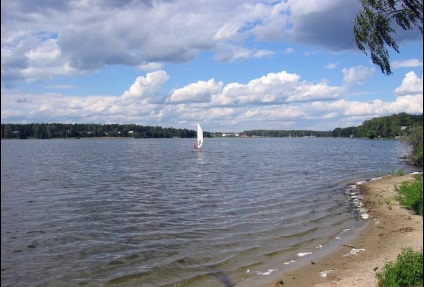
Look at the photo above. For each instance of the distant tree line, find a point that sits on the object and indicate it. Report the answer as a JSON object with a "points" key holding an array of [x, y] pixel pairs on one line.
{"points": [[287, 133], [388, 127], [57, 130]]}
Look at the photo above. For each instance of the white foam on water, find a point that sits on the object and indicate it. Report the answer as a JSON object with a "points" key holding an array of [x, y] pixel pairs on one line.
{"points": [[354, 251], [416, 172], [288, 262], [357, 204], [266, 273], [363, 210], [303, 254]]}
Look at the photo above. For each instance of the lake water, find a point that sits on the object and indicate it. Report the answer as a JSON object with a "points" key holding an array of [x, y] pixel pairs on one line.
{"points": [[153, 212]]}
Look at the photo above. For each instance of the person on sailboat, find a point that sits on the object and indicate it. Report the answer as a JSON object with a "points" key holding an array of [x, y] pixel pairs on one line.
{"points": [[198, 144], [196, 147]]}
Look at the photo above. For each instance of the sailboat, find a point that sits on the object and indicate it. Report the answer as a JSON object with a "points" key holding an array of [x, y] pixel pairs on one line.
{"points": [[198, 144]]}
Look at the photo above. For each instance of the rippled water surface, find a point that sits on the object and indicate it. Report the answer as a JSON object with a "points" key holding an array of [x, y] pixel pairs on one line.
{"points": [[152, 212]]}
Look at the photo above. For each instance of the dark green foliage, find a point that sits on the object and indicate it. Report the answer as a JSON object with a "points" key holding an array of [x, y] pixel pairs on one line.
{"points": [[415, 139], [56, 130], [411, 195], [406, 271], [388, 127], [373, 27], [344, 133]]}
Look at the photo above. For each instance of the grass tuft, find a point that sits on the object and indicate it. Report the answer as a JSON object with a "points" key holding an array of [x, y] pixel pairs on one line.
{"points": [[407, 270], [411, 195]]}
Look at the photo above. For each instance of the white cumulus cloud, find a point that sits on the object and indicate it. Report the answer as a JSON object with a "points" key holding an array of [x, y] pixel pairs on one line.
{"points": [[411, 85], [146, 89], [201, 91], [357, 75]]}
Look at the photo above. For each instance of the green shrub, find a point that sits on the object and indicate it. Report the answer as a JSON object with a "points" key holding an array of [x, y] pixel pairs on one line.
{"points": [[411, 195], [418, 158], [415, 140], [406, 271], [398, 172]]}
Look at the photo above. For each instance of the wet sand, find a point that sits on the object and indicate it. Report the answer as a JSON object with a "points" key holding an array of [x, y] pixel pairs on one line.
{"points": [[389, 229]]}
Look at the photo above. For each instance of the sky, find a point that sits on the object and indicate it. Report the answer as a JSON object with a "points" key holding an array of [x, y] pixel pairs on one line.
{"points": [[229, 65]]}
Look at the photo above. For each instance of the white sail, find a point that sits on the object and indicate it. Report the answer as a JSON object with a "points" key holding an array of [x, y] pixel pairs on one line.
{"points": [[199, 136]]}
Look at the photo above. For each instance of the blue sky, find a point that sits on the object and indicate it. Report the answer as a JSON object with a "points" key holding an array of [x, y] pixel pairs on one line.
{"points": [[229, 65]]}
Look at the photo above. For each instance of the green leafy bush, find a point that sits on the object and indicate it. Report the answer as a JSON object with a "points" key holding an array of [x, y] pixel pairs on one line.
{"points": [[406, 271], [411, 195], [415, 140]]}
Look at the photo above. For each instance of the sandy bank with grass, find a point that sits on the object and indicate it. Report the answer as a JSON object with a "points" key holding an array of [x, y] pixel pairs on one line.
{"points": [[390, 228]]}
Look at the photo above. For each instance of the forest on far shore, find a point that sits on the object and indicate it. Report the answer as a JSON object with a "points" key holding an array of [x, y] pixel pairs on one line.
{"points": [[389, 127], [57, 130]]}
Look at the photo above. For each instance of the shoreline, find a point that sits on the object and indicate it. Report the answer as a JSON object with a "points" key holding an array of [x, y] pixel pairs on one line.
{"points": [[389, 228]]}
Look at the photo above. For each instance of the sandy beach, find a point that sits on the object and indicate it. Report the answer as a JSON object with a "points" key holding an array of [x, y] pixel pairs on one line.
{"points": [[389, 229]]}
